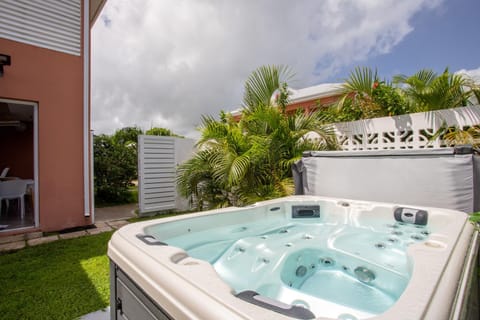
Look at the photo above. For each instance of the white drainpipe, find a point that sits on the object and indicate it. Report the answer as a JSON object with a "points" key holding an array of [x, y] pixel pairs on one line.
{"points": [[86, 102]]}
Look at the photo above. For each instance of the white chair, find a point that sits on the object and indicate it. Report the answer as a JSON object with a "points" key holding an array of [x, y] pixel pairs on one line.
{"points": [[12, 190], [4, 172]]}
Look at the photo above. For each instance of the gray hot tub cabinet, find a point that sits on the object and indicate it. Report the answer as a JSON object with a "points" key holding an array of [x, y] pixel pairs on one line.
{"points": [[128, 301]]}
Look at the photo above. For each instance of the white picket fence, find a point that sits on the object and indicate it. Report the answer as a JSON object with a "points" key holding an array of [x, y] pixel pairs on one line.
{"points": [[411, 131]]}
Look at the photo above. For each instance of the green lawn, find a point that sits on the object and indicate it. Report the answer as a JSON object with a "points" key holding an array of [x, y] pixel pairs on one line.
{"points": [[59, 280], [64, 279]]}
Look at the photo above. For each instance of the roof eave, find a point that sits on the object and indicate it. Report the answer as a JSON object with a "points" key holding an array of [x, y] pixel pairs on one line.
{"points": [[95, 7]]}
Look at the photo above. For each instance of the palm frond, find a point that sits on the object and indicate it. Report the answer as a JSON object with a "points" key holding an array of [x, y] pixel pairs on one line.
{"points": [[262, 84], [426, 90], [361, 81]]}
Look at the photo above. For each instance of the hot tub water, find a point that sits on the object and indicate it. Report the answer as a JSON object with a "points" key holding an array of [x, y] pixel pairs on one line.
{"points": [[332, 268]]}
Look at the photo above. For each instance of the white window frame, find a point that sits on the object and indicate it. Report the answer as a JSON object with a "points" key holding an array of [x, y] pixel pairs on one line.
{"points": [[35, 157]]}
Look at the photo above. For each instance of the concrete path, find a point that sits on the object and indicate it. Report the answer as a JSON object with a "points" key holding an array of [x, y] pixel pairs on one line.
{"points": [[102, 314], [106, 219], [121, 212]]}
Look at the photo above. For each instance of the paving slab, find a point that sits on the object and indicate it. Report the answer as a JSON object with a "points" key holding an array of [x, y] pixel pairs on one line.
{"points": [[33, 235], [101, 224], [99, 230], [72, 235], [120, 212], [42, 240], [107, 219], [102, 314], [14, 238], [12, 246], [117, 224]]}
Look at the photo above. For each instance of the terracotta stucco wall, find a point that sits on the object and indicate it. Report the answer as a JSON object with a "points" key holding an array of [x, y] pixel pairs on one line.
{"points": [[55, 81], [311, 105]]}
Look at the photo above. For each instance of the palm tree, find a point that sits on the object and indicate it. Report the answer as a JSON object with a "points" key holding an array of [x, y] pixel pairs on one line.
{"points": [[243, 162], [427, 91], [287, 137], [195, 181]]}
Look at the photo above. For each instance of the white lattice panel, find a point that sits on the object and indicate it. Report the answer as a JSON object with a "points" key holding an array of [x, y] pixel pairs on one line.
{"points": [[412, 131]]}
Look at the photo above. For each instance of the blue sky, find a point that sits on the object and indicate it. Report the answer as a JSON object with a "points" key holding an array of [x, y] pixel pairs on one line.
{"points": [[166, 63], [449, 36]]}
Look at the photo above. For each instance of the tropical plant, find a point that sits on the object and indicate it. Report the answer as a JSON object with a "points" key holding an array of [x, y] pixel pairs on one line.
{"points": [[427, 91], [455, 135], [389, 99], [366, 96], [195, 180], [263, 83], [250, 160]]}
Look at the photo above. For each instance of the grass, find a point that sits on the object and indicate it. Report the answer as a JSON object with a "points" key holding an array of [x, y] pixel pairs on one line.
{"points": [[60, 280], [64, 279]]}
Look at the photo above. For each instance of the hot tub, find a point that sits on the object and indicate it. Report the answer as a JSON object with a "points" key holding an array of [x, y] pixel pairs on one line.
{"points": [[300, 257]]}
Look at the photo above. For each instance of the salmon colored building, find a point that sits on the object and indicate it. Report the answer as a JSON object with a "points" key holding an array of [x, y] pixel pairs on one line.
{"points": [[45, 140], [308, 99], [311, 98]]}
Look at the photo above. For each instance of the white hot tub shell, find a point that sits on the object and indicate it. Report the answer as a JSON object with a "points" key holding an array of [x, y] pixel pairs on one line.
{"points": [[152, 279]]}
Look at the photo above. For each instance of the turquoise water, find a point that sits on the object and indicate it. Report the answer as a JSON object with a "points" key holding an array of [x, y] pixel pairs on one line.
{"points": [[326, 267]]}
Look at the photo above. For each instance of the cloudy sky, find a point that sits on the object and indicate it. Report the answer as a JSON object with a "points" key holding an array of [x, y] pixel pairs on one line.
{"points": [[164, 63]]}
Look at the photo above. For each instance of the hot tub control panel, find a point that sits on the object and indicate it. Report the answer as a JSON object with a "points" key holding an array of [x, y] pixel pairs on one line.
{"points": [[306, 211]]}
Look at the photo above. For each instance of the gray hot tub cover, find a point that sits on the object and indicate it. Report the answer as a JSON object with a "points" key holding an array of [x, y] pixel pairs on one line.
{"points": [[444, 178]]}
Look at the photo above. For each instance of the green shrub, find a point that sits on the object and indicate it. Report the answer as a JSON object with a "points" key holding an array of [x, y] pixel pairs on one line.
{"points": [[115, 166], [389, 99]]}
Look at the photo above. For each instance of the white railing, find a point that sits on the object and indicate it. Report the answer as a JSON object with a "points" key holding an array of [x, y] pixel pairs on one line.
{"points": [[411, 131]]}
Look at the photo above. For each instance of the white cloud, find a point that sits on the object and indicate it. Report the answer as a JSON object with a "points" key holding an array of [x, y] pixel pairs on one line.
{"points": [[165, 63], [474, 74]]}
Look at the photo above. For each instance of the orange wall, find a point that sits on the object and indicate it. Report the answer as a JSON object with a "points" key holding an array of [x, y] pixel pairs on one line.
{"points": [[55, 81], [307, 106], [311, 105]]}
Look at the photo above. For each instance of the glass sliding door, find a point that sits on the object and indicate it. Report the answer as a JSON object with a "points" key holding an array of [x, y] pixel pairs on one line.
{"points": [[18, 165]]}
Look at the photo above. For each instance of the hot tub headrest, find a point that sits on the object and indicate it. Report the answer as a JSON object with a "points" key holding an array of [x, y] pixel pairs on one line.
{"points": [[411, 215]]}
